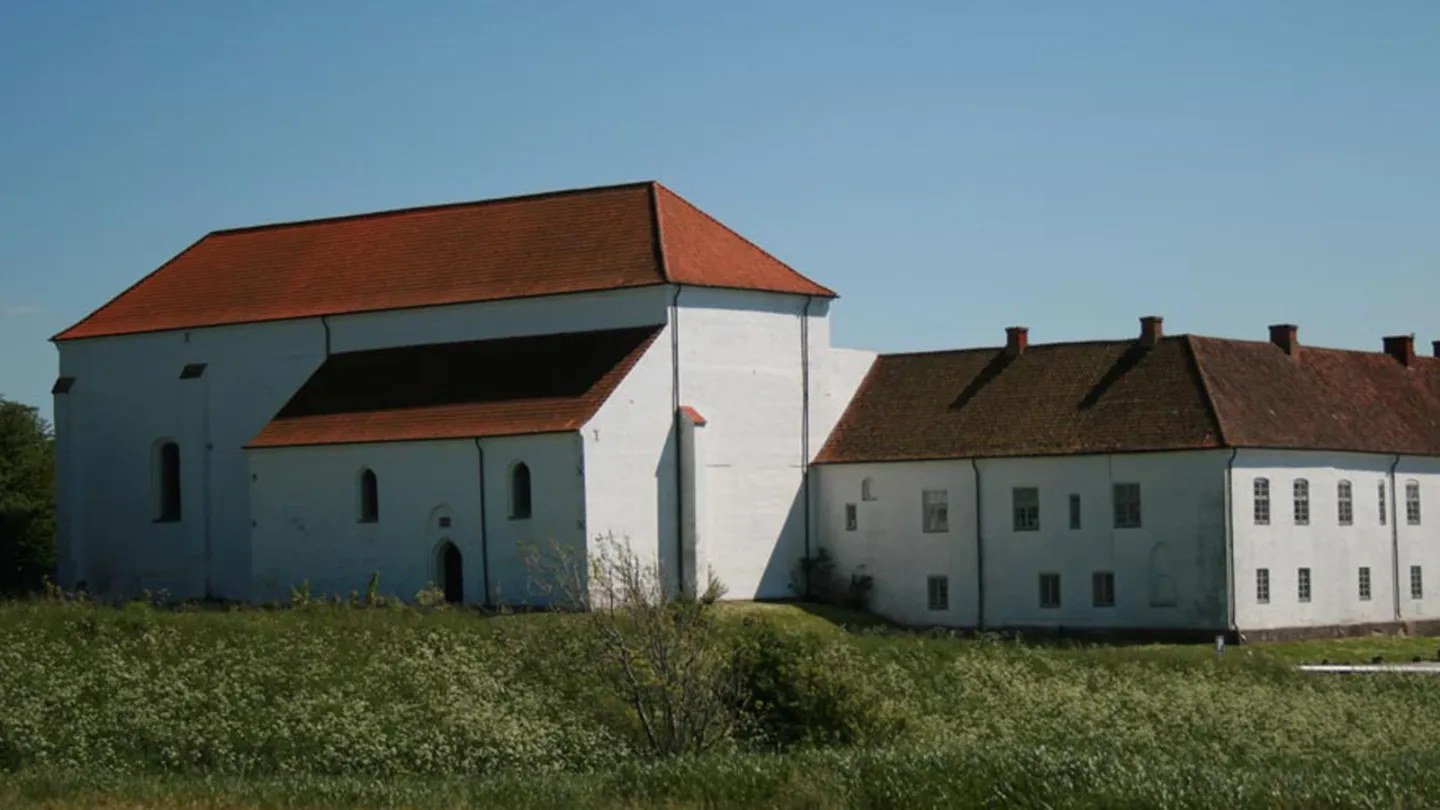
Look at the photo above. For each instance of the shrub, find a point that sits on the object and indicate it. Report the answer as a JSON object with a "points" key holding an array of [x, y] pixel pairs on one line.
{"points": [[800, 689]]}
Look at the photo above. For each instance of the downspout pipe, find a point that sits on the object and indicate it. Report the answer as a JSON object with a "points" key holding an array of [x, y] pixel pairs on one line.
{"points": [[805, 431], [484, 535], [678, 428], [325, 323], [1230, 541], [1394, 537], [979, 552]]}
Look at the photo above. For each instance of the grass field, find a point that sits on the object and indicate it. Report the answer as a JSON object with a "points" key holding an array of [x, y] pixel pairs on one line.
{"points": [[341, 707]]}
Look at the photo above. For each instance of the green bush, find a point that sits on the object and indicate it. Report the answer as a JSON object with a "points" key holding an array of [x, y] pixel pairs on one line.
{"points": [[805, 689]]}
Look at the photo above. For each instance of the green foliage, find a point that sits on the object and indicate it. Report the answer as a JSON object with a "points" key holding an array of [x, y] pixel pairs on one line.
{"points": [[27, 499], [142, 705]]}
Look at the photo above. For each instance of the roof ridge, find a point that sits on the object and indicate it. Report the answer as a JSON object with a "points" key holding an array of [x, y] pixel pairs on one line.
{"points": [[1029, 347], [665, 268], [1309, 347], [1205, 389], [431, 208]]}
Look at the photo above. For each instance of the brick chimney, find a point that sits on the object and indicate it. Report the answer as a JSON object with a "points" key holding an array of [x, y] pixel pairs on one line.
{"points": [[1150, 330], [1284, 336], [1402, 348], [1016, 339]]}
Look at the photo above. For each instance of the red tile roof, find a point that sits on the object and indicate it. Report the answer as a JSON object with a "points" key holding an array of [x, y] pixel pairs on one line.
{"points": [[1184, 393], [561, 242], [507, 387]]}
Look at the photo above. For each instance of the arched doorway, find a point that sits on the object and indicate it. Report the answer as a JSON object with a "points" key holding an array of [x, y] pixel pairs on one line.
{"points": [[449, 567]]}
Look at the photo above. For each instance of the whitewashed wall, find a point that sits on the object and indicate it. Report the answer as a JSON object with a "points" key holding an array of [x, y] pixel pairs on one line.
{"points": [[740, 367], [1178, 551], [128, 396], [1333, 553], [1419, 545], [889, 543], [307, 527], [630, 474], [585, 312]]}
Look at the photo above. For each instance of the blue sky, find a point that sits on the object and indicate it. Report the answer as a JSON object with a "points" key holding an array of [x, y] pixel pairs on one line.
{"points": [[949, 167]]}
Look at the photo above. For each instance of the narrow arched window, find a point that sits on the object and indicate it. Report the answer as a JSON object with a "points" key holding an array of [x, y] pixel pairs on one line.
{"points": [[1345, 503], [867, 489], [168, 479], [1262, 501], [369, 497], [1302, 502], [520, 491]]}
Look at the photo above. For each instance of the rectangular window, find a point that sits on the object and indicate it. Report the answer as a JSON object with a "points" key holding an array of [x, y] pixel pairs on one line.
{"points": [[1381, 490], [1025, 502], [1364, 584], [1303, 585], [1049, 590], [1417, 585], [1344, 503], [938, 589], [1102, 585], [1127, 506], [1262, 585], [1302, 502], [1074, 510], [937, 510], [1412, 503], [852, 518], [1262, 501]]}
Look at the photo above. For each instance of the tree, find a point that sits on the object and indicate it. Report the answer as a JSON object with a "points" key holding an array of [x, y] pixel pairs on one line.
{"points": [[27, 498], [661, 652]]}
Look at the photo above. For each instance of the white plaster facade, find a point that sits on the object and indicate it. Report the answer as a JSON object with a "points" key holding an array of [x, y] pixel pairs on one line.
{"points": [[1172, 571], [256, 523], [1169, 572], [1332, 551]]}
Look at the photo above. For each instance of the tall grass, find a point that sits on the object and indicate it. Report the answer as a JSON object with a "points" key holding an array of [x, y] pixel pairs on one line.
{"points": [[336, 707]]}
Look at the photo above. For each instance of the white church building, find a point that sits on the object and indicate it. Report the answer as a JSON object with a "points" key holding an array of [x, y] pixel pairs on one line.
{"points": [[421, 393]]}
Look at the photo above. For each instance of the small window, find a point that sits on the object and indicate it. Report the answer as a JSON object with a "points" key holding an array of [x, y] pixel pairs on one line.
{"points": [[168, 474], [1302, 502], [1412, 503], [1344, 503], [1417, 584], [1381, 490], [1262, 585], [1262, 501], [1302, 586], [867, 489], [1074, 510], [1049, 590], [1364, 584], [369, 497], [520, 492], [1103, 587], [936, 503], [1025, 502], [852, 519], [939, 593], [1127, 506]]}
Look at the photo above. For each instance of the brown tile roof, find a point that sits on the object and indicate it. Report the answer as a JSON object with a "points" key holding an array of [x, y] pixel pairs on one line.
{"points": [[1058, 398], [1326, 399], [507, 387], [1116, 396], [561, 242]]}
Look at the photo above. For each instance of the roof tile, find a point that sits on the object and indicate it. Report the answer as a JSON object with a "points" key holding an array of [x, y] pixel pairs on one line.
{"points": [[563, 242], [512, 386]]}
